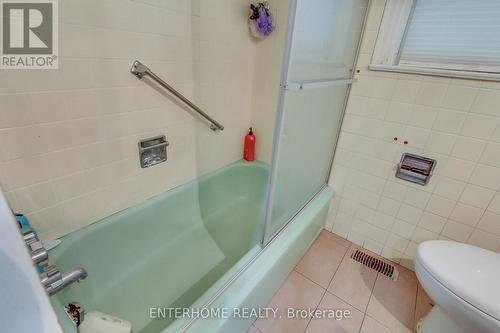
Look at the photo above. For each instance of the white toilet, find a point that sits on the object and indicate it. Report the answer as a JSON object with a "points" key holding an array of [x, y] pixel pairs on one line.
{"points": [[464, 282]]}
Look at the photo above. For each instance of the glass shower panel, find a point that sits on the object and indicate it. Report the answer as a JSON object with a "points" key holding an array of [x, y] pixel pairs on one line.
{"points": [[309, 133], [325, 38], [319, 70]]}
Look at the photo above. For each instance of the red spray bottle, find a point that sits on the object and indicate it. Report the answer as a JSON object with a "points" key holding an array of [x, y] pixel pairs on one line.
{"points": [[249, 148]]}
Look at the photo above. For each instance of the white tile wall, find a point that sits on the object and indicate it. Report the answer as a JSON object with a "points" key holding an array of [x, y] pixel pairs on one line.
{"points": [[455, 121], [68, 138], [268, 59]]}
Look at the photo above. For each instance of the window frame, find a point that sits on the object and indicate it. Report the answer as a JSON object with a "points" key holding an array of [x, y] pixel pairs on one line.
{"points": [[390, 42]]}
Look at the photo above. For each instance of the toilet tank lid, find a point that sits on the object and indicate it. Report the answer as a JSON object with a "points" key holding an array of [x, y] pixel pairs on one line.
{"points": [[470, 272]]}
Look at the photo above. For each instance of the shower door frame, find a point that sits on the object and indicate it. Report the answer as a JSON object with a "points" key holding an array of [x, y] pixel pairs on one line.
{"points": [[280, 116], [271, 184]]}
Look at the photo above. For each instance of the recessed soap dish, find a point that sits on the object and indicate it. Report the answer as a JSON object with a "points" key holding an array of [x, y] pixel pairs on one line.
{"points": [[415, 169], [153, 151]]}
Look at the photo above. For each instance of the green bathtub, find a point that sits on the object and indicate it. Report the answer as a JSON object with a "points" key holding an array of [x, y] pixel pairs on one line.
{"points": [[178, 248]]}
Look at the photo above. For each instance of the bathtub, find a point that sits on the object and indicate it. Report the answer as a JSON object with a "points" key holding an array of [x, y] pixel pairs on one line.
{"points": [[181, 248]]}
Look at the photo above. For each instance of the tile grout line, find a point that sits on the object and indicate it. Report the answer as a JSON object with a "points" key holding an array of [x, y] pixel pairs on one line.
{"points": [[476, 227], [255, 328], [369, 299], [415, 305], [307, 278], [347, 301], [325, 289], [366, 314]]}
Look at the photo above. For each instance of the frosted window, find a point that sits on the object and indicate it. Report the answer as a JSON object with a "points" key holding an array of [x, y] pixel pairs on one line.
{"points": [[326, 36], [454, 34]]}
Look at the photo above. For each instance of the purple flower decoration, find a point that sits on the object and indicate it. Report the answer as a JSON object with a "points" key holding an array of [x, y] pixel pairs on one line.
{"points": [[262, 25], [264, 22]]}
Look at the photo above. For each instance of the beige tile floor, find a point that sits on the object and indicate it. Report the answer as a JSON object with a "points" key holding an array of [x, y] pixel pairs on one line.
{"points": [[327, 278]]}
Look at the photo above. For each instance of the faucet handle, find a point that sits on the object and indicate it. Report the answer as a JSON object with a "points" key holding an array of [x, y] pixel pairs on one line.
{"points": [[31, 239], [52, 271], [40, 255], [36, 246], [52, 278], [29, 235]]}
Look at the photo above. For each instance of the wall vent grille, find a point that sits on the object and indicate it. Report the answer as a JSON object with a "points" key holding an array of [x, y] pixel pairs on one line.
{"points": [[376, 264]]}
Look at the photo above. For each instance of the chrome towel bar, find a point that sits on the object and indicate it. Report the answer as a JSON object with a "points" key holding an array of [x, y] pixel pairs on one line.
{"points": [[317, 84], [139, 70]]}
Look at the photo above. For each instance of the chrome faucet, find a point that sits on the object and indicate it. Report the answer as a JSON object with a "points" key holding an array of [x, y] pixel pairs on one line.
{"points": [[52, 279]]}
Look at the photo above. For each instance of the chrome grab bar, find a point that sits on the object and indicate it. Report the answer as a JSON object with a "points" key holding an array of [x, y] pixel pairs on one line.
{"points": [[139, 70]]}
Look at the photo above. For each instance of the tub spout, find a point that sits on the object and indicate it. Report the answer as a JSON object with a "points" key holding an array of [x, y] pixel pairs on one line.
{"points": [[54, 281], [75, 275]]}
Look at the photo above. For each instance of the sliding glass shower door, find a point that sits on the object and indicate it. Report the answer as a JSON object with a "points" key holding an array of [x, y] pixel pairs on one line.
{"points": [[320, 55]]}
